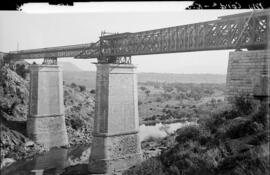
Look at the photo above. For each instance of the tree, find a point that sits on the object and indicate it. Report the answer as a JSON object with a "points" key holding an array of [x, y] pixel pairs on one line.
{"points": [[73, 85], [143, 88], [147, 92], [82, 88], [21, 70]]}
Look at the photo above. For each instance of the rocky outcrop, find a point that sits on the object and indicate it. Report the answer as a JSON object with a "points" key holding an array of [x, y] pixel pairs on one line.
{"points": [[225, 143], [14, 92], [79, 112], [14, 95]]}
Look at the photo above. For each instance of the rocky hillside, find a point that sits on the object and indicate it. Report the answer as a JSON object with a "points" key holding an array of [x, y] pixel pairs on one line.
{"points": [[228, 142], [13, 112], [79, 112], [14, 93]]}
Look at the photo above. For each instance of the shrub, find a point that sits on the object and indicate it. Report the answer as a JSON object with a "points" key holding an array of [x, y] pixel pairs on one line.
{"points": [[213, 101], [73, 85], [261, 116], [93, 91], [243, 104], [167, 96], [244, 164], [230, 114], [168, 89], [143, 88], [150, 166], [187, 133], [158, 99], [179, 162], [213, 122], [76, 122], [82, 88], [21, 70], [241, 127]]}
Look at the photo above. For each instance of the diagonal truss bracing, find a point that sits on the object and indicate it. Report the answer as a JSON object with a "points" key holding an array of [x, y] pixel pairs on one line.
{"points": [[227, 32], [58, 52], [212, 35]]}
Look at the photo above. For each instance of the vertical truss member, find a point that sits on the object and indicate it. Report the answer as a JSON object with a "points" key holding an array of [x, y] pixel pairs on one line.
{"points": [[50, 61]]}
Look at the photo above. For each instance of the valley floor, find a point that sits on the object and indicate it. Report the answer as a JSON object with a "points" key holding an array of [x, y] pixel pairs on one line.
{"points": [[225, 139]]}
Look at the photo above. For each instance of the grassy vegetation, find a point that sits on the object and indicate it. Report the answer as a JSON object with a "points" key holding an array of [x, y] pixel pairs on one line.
{"points": [[234, 141], [167, 101], [229, 140], [163, 102]]}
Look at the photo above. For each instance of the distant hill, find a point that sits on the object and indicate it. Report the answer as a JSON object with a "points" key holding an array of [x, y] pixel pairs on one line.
{"points": [[182, 78], [68, 66], [88, 78]]}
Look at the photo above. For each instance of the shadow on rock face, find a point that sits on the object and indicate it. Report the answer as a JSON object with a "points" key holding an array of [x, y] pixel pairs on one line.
{"points": [[80, 169]]}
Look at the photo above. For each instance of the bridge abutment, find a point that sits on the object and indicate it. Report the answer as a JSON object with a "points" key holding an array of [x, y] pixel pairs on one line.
{"points": [[248, 73], [116, 143], [46, 119]]}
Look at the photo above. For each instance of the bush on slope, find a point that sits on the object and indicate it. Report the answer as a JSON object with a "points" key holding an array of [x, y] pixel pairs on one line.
{"points": [[233, 142]]}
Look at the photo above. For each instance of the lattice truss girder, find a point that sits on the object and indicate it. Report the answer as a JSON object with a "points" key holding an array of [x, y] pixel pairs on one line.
{"points": [[212, 35], [80, 50], [229, 32]]}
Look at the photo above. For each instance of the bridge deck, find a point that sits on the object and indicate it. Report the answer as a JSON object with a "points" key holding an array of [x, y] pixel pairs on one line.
{"points": [[246, 30]]}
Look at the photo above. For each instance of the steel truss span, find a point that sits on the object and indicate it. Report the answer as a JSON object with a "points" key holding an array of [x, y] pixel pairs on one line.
{"points": [[246, 30], [57, 52]]}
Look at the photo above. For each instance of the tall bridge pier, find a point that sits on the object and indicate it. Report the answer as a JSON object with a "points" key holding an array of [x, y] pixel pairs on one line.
{"points": [[116, 143], [249, 73], [46, 119]]}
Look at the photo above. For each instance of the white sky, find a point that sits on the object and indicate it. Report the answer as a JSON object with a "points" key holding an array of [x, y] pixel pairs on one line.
{"points": [[31, 31]]}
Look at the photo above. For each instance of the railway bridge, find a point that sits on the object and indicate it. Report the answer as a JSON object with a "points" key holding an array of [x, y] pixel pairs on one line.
{"points": [[116, 143]]}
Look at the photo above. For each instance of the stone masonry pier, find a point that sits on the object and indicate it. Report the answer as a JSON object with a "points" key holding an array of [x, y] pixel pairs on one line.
{"points": [[248, 73], [46, 119], [116, 143]]}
